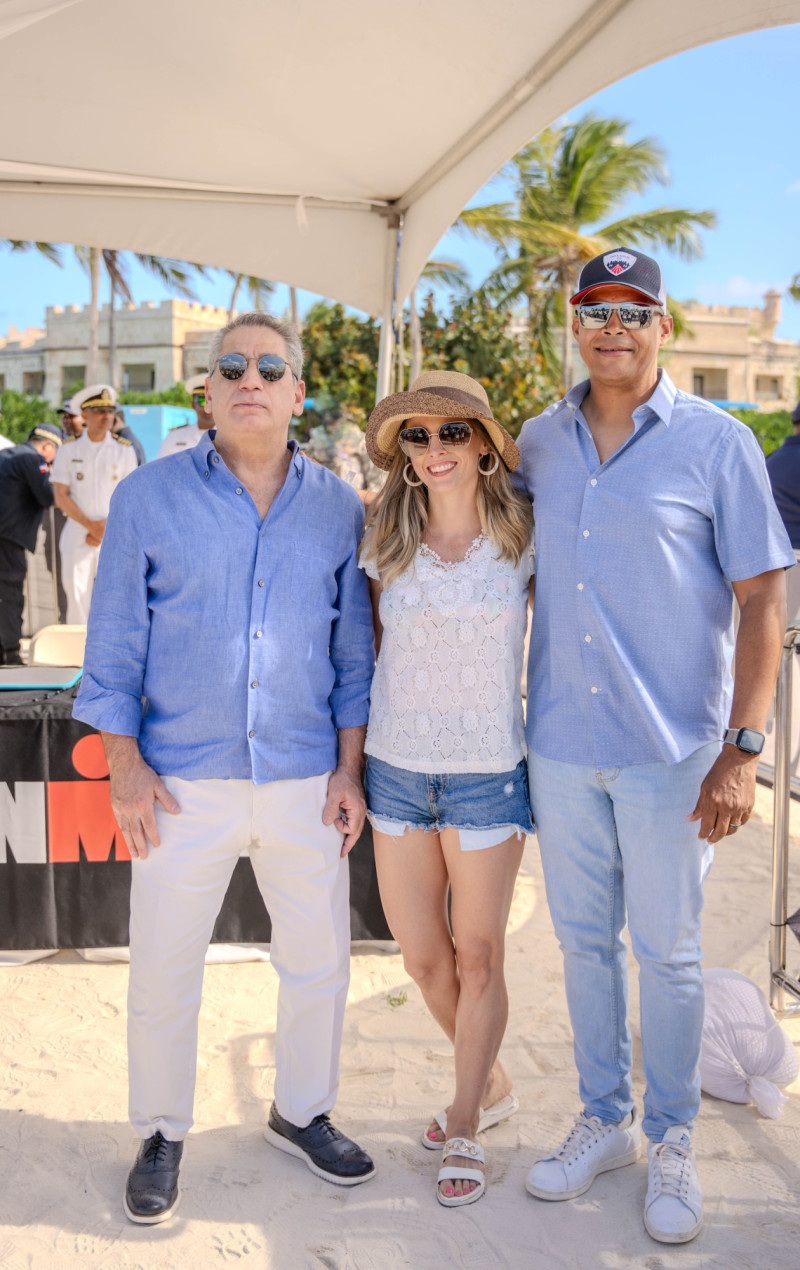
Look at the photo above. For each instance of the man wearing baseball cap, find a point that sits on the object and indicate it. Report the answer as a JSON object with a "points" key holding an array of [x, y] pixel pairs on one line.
{"points": [[188, 434], [25, 492], [653, 511], [72, 424], [85, 475]]}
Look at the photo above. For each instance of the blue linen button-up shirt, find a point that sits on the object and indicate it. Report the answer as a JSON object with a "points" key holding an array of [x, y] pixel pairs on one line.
{"points": [[230, 647], [632, 641]]}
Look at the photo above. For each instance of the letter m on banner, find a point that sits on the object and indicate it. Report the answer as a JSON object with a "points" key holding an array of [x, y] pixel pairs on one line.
{"points": [[22, 823], [79, 815]]}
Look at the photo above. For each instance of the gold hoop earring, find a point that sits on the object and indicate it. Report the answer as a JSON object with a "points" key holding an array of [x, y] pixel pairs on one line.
{"points": [[413, 484], [489, 471]]}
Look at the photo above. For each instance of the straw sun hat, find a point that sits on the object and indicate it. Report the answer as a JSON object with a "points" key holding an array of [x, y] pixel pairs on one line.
{"points": [[442, 393]]}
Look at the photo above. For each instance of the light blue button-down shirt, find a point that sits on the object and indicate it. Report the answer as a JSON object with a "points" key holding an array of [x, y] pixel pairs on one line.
{"points": [[632, 642], [230, 647]]}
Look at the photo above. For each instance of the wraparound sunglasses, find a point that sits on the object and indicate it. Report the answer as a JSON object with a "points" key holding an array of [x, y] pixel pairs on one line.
{"points": [[635, 317]]}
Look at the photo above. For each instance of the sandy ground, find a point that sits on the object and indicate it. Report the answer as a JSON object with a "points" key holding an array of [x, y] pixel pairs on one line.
{"points": [[65, 1145]]}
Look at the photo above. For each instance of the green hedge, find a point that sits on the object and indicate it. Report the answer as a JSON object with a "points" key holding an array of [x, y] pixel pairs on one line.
{"points": [[21, 413], [769, 428]]}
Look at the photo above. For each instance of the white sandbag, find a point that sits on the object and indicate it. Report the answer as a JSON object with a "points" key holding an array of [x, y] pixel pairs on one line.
{"points": [[745, 1056]]}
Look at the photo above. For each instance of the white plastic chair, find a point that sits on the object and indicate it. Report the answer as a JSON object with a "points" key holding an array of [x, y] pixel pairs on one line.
{"points": [[57, 646]]}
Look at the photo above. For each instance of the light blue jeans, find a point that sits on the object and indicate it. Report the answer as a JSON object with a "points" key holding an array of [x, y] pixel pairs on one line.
{"points": [[612, 838]]}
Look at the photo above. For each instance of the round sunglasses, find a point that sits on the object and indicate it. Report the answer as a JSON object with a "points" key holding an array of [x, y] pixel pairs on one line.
{"points": [[634, 317], [271, 368], [416, 441]]}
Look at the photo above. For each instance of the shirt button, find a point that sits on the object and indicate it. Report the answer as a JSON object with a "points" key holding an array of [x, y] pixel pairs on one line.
{"points": [[586, 533], [595, 689], [593, 481], [260, 581], [587, 639], [580, 586], [216, 458], [205, 474], [254, 684], [258, 634], [239, 489], [251, 733]]}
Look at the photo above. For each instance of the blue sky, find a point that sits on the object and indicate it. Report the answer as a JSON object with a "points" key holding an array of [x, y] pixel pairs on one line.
{"points": [[726, 116]]}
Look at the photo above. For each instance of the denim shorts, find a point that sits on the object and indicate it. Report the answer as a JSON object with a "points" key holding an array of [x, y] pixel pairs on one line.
{"points": [[485, 807]]}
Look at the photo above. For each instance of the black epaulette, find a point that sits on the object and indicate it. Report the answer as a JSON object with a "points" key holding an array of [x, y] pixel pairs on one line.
{"points": [[177, 427], [121, 440], [67, 440]]}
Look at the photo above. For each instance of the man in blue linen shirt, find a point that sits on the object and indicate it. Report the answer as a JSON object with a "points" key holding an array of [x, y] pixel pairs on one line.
{"points": [[228, 667], [653, 510]]}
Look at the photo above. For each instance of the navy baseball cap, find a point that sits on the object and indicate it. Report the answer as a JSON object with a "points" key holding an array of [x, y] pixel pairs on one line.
{"points": [[626, 269]]}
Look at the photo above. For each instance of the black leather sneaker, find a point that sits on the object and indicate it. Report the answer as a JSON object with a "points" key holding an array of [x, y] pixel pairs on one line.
{"points": [[326, 1151], [152, 1194]]}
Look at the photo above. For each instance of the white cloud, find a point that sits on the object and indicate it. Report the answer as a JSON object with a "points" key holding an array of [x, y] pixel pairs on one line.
{"points": [[737, 290]]}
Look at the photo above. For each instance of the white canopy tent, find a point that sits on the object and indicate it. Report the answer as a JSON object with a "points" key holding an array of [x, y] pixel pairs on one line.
{"points": [[327, 145]]}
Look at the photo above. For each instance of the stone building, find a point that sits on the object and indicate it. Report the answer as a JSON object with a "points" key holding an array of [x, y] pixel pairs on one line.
{"points": [[157, 345], [733, 356]]}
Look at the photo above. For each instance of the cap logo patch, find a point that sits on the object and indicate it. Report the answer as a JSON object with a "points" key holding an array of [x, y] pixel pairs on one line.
{"points": [[618, 262]]}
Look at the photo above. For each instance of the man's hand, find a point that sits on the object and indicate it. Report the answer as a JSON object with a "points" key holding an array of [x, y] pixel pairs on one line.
{"points": [[134, 790], [92, 540], [95, 529], [727, 794], [345, 807]]}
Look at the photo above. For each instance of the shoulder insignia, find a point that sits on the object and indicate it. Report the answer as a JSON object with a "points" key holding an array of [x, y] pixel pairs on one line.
{"points": [[122, 440], [178, 427], [67, 440]]}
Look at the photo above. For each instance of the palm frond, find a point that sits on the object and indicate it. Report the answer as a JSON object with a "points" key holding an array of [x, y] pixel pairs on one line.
{"points": [[676, 228], [173, 273]]}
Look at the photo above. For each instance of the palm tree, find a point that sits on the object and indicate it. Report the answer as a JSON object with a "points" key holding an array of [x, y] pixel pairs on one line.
{"points": [[258, 290], [568, 182], [173, 273], [49, 250], [448, 273]]}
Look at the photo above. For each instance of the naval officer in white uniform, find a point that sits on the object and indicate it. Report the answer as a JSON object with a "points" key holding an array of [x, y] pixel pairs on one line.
{"points": [[84, 477], [188, 434]]}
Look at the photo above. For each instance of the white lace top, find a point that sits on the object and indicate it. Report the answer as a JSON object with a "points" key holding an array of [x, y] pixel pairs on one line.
{"points": [[446, 693]]}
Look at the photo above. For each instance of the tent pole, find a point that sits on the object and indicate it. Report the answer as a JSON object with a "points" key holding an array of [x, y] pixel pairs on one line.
{"points": [[393, 238]]}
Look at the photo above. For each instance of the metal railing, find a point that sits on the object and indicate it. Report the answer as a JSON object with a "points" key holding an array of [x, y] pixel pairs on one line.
{"points": [[781, 982]]}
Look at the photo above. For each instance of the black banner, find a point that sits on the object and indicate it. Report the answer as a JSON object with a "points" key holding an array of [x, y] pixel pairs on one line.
{"points": [[64, 865]]}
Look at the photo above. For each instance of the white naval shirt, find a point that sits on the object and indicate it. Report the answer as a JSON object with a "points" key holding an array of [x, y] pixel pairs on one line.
{"points": [[92, 470], [181, 438]]}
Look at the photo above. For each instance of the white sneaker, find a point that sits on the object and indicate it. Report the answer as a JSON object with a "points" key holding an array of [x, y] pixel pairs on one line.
{"points": [[673, 1209], [590, 1147]]}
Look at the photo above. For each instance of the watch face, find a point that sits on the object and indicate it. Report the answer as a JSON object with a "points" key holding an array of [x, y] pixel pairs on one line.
{"points": [[751, 742]]}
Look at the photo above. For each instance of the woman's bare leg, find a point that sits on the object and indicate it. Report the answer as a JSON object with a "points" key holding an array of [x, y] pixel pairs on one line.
{"points": [[482, 885]]}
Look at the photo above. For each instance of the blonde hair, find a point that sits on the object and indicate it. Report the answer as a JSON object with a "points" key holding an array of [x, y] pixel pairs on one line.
{"points": [[397, 518]]}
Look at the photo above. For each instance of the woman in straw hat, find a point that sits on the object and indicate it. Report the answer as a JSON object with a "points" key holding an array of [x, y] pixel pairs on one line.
{"points": [[448, 553]]}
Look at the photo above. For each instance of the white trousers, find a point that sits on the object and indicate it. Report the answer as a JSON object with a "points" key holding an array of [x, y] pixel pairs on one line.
{"points": [[176, 894], [78, 571]]}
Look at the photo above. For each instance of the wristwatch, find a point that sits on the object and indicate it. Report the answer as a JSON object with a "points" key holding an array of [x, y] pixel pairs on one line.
{"points": [[745, 739]]}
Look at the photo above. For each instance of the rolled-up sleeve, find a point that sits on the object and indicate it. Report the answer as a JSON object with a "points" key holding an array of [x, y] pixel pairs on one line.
{"points": [[110, 696], [352, 647]]}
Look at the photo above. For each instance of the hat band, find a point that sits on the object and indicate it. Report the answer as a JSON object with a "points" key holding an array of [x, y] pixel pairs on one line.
{"points": [[44, 435], [461, 398]]}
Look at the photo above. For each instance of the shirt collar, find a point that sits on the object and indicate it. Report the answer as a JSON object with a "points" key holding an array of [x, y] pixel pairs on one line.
{"points": [[201, 452], [660, 403]]}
